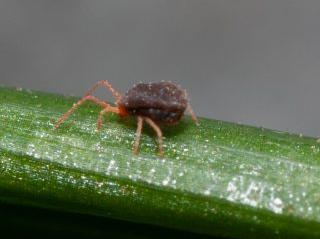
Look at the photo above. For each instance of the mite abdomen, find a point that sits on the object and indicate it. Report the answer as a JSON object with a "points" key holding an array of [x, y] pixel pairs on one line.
{"points": [[163, 102]]}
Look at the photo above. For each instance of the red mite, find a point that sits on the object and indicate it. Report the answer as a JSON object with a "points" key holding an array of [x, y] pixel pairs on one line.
{"points": [[155, 103]]}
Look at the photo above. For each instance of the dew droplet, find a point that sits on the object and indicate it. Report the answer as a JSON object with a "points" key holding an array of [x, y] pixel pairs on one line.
{"points": [[276, 205], [165, 182]]}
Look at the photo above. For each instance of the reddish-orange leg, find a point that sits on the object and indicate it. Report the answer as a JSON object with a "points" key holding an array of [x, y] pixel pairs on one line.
{"points": [[108, 86], [106, 106], [157, 129], [88, 96], [154, 126], [138, 135], [102, 113], [192, 114]]}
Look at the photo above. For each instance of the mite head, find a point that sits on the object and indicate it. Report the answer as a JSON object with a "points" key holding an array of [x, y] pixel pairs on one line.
{"points": [[122, 110]]}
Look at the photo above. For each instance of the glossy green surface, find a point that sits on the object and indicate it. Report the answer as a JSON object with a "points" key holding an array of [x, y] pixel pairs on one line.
{"points": [[219, 178]]}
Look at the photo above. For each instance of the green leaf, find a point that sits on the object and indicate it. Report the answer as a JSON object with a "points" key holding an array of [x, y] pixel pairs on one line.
{"points": [[219, 178]]}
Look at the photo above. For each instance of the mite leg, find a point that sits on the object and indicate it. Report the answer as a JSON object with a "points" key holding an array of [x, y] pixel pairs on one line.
{"points": [[108, 86], [100, 118], [138, 135], [158, 131], [102, 113], [76, 105], [192, 114]]}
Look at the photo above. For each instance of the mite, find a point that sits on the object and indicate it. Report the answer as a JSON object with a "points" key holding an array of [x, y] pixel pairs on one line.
{"points": [[158, 103]]}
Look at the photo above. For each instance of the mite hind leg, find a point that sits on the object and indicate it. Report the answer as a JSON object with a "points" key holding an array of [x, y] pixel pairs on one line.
{"points": [[76, 105], [138, 135], [192, 114], [158, 131]]}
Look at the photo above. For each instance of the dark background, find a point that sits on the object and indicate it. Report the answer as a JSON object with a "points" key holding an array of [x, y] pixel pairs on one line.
{"points": [[251, 61]]}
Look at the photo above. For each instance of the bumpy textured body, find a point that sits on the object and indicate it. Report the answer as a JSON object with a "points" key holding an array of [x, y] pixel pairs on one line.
{"points": [[163, 102]]}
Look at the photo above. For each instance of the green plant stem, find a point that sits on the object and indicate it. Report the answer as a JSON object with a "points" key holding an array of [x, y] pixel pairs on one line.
{"points": [[219, 178]]}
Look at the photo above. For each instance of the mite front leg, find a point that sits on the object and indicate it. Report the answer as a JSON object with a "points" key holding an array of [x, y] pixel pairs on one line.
{"points": [[76, 105], [100, 118], [159, 133], [138, 135], [108, 86], [109, 108]]}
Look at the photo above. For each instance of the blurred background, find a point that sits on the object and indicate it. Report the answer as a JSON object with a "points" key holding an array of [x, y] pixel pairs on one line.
{"points": [[252, 61]]}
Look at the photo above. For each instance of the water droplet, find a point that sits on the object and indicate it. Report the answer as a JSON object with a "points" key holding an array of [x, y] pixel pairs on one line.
{"points": [[111, 165], [30, 149], [165, 182], [100, 184], [276, 205]]}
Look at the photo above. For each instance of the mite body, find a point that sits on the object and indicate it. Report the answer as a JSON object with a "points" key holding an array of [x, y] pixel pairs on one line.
{"points": [[163, 102], [155, 103]]}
